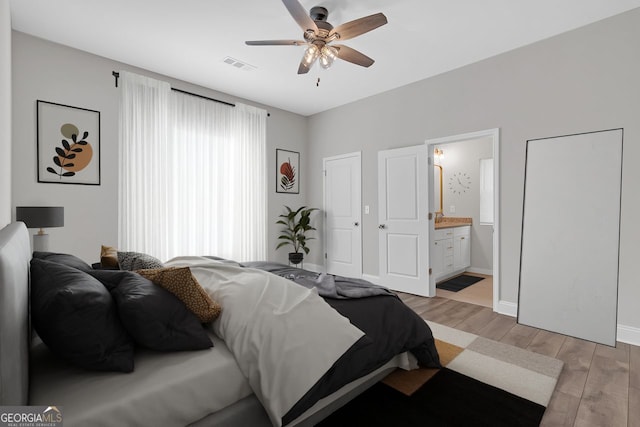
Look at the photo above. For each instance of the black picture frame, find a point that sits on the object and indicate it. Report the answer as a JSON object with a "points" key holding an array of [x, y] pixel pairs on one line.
{"points": [[68, 144]]}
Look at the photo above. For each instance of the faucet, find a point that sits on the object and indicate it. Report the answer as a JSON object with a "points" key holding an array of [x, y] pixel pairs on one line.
{"points": [[439, 217]]}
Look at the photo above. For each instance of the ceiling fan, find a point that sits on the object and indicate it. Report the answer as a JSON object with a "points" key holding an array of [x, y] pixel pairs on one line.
{"points": [[318, 34]]}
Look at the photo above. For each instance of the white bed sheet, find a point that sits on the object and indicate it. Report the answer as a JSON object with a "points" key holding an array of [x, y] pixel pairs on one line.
{"points": [[165, 389]]}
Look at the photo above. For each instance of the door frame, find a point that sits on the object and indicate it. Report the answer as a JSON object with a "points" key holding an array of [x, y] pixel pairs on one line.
{"points": [[357, 154], [494, 134]]}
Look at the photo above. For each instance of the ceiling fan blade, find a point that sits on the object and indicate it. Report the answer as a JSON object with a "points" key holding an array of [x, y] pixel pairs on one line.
{"points": [[300, 15], [351, 55], [356, 27], [276, 42]]}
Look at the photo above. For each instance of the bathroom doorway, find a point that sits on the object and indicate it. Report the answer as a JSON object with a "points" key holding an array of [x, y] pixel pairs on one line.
{"points": [[460, 165]]}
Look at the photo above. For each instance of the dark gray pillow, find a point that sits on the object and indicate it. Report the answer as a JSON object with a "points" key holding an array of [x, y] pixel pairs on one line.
{"points": [[137, 261], [152, 315], [66, 259], [76, 318]]}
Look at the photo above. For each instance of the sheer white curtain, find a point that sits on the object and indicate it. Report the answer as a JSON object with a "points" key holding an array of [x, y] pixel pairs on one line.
{"points": [[212, 174], [144, 152]]}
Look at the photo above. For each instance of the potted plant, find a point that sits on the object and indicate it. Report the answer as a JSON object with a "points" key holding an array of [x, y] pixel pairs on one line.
{"points": [[296, 224]]}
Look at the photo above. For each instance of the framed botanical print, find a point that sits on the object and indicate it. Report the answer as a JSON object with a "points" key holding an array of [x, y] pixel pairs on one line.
{"points": [[68, 144], [287, 171]]}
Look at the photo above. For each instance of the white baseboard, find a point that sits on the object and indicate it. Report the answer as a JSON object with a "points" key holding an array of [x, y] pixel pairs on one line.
{"points": [[485, 271], [313, 267], [507, 308], [371, 278], [625, 334], [629, 334]]}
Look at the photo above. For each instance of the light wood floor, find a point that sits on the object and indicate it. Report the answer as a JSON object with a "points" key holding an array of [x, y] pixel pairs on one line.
{"points": [[599, 386]]}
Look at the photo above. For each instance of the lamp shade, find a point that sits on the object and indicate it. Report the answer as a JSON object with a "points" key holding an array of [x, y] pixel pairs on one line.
{"points": [[41, 216]]}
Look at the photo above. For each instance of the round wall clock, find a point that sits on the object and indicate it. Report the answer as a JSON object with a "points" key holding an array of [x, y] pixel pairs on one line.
{"points": [[459, 183]]}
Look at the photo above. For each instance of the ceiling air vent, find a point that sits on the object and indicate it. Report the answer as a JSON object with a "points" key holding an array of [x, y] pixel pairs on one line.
{"points": [[238, 64]]}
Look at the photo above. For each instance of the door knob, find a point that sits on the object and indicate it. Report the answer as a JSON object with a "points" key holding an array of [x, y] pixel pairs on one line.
{"points": [[382, 226], [356, 223]]}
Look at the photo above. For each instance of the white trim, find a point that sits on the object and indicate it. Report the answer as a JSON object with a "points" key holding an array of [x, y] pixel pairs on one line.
{"points": [[373, 279], [495, 135], [628, 334], [313, 267], [507, 308]]}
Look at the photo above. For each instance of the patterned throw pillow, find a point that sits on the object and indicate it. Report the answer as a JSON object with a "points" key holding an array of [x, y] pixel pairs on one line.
{"points": [[137, 261], [180, 282]]}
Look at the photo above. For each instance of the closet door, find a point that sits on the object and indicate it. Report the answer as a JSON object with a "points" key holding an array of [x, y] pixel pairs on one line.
{"points": [[342, 201], [570, 235]]}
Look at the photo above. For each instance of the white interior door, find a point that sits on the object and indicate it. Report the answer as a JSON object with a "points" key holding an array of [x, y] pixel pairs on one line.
{"points": [[342, 207], [403, 191]]}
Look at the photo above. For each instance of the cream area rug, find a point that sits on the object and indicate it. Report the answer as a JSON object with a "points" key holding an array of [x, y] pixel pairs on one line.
{"points": [[526, 374]]}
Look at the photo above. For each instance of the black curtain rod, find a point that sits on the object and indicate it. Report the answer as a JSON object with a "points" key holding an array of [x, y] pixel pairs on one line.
{"points": [[117, 75]]}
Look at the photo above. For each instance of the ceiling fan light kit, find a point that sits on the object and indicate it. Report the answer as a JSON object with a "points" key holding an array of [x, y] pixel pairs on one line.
{"points": [[328, 54], [311, 54], [318, 33]]}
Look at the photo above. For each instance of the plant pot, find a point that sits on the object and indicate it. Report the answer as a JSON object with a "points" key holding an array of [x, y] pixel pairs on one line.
{"points": [[295, 257]]}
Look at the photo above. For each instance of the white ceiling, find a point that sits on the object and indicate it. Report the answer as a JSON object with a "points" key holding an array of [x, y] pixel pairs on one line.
{"points": [[189, 40]]}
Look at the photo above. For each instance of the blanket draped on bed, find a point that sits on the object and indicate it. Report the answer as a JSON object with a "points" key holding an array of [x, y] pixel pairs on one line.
{"points": [[284, 336], [328, 285]]}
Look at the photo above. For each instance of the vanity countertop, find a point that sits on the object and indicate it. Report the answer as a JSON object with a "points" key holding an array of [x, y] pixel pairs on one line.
{"points": [[452, 221]]}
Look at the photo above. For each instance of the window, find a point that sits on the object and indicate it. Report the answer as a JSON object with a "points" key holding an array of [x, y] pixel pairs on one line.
{"points": [[486, 191], [192, 174]]}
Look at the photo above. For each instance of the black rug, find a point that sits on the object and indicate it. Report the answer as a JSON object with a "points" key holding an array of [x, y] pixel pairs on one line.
{"points": [[458, 283], [447, 399]]}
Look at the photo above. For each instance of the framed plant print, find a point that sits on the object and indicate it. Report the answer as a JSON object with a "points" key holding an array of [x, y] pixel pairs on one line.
{"points": [[287, 171], [68, 144]]}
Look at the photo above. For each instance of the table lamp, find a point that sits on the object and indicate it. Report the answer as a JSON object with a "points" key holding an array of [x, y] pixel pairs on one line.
{"points": [[41, 217]]}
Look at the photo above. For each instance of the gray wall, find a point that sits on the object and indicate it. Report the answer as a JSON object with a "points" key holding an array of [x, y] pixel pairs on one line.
{"points": [[583, 80], [5, 113], [52, 72], [464, 157], [579, 81]]}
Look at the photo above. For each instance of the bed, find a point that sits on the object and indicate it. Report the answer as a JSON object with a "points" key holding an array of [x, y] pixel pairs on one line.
{"points": [[227, 384]]}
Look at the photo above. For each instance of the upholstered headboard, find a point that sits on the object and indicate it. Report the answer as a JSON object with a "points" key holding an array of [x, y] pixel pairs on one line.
{"points": [[15, 255]]}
